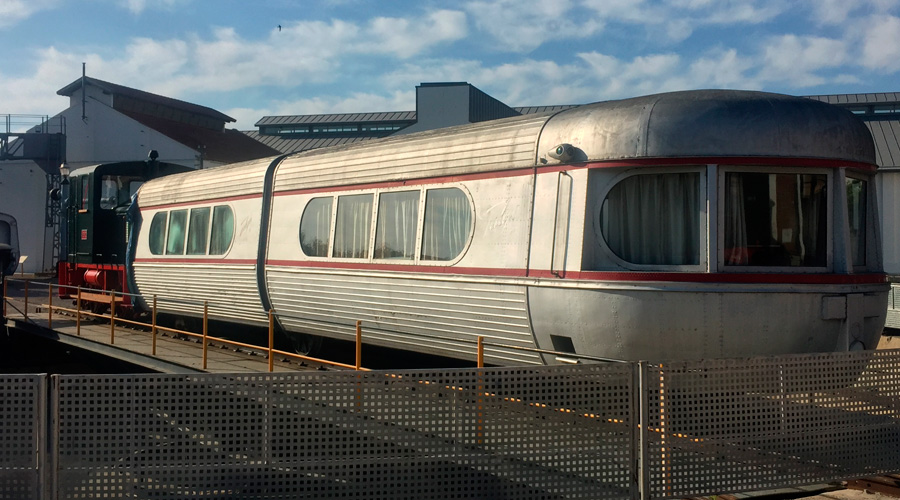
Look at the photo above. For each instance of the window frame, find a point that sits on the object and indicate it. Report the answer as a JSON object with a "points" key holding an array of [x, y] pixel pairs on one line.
{"points": [[187, 231], [872, 238], [702, 214], [723, 169], [376, 202]]}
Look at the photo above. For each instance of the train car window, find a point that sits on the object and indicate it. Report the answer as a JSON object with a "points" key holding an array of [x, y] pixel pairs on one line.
{"points": [[157, 238], [315, 227], [109, 192], [85, 192], [651, 219], [775, 220], [353, 226], [448, 220], [177, 225], [395, 231], [857, 201], [198, 231], [222, 230]]}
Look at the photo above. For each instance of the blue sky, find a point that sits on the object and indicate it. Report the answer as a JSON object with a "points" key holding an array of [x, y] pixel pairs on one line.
{"points": [[353, 55]]}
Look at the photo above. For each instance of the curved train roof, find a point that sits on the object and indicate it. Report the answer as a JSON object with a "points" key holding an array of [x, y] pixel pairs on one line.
{"points": [[711, 123], [695, 124]]}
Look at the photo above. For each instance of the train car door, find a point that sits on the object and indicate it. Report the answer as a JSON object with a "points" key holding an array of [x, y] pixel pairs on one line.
{"points": [[82, 237]]}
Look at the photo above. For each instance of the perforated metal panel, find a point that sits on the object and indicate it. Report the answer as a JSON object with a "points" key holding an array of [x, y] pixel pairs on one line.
{"points": [[21, 400], [726, 426], [493, 433]]}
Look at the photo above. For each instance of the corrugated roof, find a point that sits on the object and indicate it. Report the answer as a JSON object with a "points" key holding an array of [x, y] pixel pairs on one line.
{"points": [[302, 144], [528, 110], [851, 99], [886, 134], [113, 88], [388, 116]]}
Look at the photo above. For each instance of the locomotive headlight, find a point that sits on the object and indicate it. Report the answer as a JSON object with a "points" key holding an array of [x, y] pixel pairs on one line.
{"points": [[562, 152]]}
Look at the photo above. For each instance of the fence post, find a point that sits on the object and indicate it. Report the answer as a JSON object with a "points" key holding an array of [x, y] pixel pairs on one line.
{"points": [[50, 306], [26, 300], [78, 313], [642, 433], [4, 298], [112, 317], [153, 328], [358, 344], [271, 340], [205, 329], [480, 357]]}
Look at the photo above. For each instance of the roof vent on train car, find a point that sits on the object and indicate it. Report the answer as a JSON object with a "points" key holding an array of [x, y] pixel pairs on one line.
{"points": [[563, 152]]}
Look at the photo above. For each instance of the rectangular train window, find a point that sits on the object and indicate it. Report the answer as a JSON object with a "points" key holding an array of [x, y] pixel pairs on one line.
{"points": [[395, 234], [353, 226], [856, 211], [198, 231], [775, 220], [177, 225]]}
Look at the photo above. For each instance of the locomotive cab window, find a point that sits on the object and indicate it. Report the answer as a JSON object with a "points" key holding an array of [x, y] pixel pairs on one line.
{"points": [[654, 219], [775, 220]]}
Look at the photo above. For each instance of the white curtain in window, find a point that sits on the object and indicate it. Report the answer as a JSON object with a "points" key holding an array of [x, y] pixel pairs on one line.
{"points": [[735, 222], [353, 226], [448, 219], [654, 219], [395, 236]]}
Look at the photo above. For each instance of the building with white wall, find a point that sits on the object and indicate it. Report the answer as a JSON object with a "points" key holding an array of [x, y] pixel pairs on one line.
{"points": [[105, 122]]}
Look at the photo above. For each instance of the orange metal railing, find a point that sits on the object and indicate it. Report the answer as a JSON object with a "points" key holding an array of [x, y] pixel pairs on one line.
{"points": [[205, 338]]}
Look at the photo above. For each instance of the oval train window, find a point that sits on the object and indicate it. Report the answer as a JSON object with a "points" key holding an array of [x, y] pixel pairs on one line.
{"points": [[448, 220], [315, 227], [651, 219], [157, 239]]}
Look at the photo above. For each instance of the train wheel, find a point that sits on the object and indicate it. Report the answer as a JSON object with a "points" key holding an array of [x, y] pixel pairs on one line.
{"points": [[307, 345]]}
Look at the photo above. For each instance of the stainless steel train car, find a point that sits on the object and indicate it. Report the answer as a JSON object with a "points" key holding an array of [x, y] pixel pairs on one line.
{"points": [[673, 226]]}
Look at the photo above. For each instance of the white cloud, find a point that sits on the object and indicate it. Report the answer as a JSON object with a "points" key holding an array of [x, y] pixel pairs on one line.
{"points": [[139, 6], [881, 44], [800, 60], [523, 25], [12, 12], [408, 37]]}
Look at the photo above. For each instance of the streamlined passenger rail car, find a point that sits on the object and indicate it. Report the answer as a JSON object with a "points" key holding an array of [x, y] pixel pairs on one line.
{"points": [[681, 225]]}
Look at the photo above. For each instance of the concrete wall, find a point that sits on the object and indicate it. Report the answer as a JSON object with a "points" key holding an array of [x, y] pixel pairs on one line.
{"points": [[23, 195], [106, 135]]}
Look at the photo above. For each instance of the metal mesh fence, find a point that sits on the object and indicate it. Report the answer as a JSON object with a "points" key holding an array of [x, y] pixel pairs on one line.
{"points": [[490, 433], [21, 425], [725, 426]]}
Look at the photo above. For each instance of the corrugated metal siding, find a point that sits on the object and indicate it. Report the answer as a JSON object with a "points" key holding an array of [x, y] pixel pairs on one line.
{"points": [[230, 289], [886, 134], [393, 309], [486, 147], [232, 180]]}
